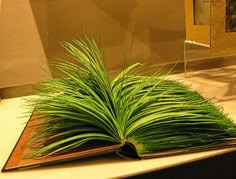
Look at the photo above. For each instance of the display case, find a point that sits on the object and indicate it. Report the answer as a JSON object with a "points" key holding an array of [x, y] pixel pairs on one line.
{"points": [[189, 49]]}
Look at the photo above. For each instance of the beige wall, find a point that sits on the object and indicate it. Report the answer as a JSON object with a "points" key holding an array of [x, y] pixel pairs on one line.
{"points": [[21, 52], [32, 28]]}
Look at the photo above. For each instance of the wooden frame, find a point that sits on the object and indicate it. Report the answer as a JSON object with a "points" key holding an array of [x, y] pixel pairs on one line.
{"points": [[215, 35], [221, 41]]}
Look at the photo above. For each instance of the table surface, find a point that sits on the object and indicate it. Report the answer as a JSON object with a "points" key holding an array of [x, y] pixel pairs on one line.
{"points": [[111, 166]]}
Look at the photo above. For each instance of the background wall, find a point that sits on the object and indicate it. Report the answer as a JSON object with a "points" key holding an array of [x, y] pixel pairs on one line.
{"points": [[30, 31], [22, 55]]}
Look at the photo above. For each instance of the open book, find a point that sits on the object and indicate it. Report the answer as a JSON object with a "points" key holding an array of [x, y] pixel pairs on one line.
{"points": [[83, 113]]}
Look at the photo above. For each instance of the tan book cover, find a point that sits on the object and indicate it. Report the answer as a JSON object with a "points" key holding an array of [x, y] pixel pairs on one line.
{"points": [[16, 161]]}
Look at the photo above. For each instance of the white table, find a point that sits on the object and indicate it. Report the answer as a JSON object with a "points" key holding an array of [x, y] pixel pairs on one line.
{"points": [[100, 167]]}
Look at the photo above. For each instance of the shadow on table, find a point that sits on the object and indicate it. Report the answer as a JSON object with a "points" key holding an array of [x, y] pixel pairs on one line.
{"points": [[219, 167]]}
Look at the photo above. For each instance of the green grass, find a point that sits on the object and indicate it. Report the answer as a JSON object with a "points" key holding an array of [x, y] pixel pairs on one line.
{"points": [[151, 112]]}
